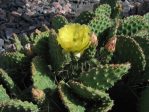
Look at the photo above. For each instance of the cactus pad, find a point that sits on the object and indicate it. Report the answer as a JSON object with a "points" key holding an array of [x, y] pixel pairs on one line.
{"points": [[59, 21], [11, 59], [144, 43], [128, 50], [57, 57], [92, 94], [68, 99], [18, 106], [100, 24], [131, 25], [39, 41], [3, 94], [104, 76], [8, 82], [41, 75], [104, 9], [146, 17]]}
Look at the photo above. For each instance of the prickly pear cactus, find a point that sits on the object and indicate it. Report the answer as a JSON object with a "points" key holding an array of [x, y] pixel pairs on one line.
{"points": [[74, 67]]}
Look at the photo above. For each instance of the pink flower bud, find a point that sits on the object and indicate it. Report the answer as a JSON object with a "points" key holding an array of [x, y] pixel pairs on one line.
{"points": [[111, 44]]}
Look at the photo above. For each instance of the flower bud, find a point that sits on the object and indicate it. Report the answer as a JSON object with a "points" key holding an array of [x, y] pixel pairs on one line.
{"points": [[111, 44]]}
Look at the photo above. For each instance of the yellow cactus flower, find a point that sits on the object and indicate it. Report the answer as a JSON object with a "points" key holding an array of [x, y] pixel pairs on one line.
{"points": [[74, 37]]}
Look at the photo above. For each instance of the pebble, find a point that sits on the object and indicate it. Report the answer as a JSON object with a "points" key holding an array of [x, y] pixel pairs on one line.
{"points": [[1, 45], [1, 42]]}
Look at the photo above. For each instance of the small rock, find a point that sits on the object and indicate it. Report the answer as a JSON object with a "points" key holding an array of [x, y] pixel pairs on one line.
{"points": [[1, 42], [8, 32], [27, 18], [2, 14], [15, 13]]}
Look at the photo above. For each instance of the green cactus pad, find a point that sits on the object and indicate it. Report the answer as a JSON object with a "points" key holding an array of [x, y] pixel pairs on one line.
{"points": [[104, 76], [87, 92], [100, 24], [142, 33], [58, 58], [92, 94], [114, 6], [41, 76], [8, 82], [128, 50], [3, 94], [131, 25], [143, 104], [40, 42], [58, 22], [146, 17], [144, 43], [104, 9], [70, 102], [17, 106], [85, 17], [9, 60], [17, 42]]}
